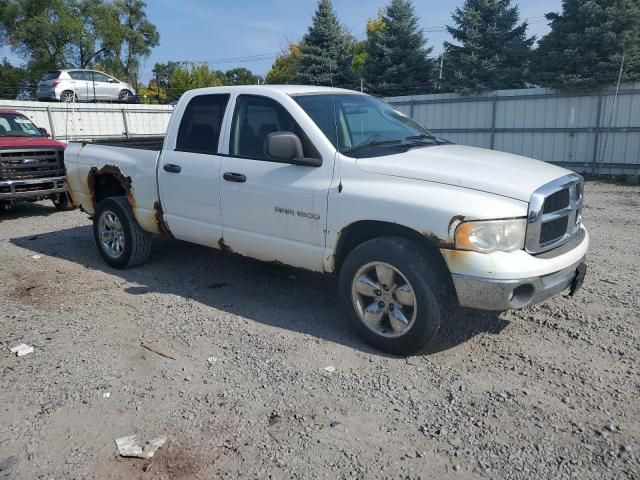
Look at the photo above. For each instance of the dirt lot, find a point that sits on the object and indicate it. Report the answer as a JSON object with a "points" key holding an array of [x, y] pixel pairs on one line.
{"points": [[548, 392]]}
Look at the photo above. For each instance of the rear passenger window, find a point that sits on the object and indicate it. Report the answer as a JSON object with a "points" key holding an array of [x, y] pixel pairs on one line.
{"points": [[256, 117], [78, 75], [201, 123]]}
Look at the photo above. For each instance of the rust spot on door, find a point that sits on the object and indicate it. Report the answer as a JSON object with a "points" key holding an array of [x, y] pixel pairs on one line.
{"points": [[163, 227]]}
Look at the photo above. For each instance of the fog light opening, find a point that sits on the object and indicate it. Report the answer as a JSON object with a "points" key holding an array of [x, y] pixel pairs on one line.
{"points": [[521, 295]]}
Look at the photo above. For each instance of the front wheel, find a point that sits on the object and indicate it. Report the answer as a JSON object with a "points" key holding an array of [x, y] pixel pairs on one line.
{"points": [[395, 294], [125, 96], [122, 243]]}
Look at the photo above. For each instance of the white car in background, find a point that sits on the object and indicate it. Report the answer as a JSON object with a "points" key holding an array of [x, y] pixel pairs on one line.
{"points": [[83, 85]]}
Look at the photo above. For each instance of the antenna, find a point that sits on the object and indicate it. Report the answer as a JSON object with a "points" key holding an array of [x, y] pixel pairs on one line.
{"points": [[613, 109]]}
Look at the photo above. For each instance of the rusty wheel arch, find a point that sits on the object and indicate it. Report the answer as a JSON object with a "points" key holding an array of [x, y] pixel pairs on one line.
{"points": [[109, 181], [362, 231]]}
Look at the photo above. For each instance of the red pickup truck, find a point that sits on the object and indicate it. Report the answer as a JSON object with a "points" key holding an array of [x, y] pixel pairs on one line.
{"points": [[31, 164]]}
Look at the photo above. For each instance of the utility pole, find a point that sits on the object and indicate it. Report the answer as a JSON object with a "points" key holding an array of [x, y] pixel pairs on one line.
{"points": [[440, 76]]}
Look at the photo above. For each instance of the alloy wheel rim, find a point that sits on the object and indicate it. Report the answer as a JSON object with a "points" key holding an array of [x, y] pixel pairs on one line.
{"points": [[111, 235], [384, 299]]}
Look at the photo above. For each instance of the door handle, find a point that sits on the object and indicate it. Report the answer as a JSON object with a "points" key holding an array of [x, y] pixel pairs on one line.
{"points": [[171, 168], [234, 177]]}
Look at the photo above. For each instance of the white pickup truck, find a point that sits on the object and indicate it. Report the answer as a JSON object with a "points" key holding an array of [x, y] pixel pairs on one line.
{"points": [[339, 182]]}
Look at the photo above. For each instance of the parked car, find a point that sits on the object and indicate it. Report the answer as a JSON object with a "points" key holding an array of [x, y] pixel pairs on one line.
{"points": [[83, 85], [31, 164], [339, 182]]}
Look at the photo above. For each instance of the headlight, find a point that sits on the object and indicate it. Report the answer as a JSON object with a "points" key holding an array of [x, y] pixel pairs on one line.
{"points": [[492, 236]]}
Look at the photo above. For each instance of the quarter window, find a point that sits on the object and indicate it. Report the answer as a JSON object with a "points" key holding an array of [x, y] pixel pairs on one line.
{"points": [[201, 123], [254, 119]]}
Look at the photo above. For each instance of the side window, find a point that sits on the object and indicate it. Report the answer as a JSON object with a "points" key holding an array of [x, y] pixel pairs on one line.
{"points": [[201, 123], [77, 75], [256, 117], [100, 77]]}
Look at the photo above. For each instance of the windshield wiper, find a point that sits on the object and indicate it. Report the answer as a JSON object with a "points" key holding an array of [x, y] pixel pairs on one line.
{"points": [[375, 143], [422, 138]]}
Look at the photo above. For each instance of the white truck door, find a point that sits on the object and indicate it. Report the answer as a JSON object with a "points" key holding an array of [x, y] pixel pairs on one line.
{"points": [[272, 211], [189, 173]]}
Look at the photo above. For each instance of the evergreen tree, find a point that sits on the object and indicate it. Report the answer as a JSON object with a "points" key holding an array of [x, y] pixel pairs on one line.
{"points": [[494, 51], [326, 51], [397, 60], [585, 46]]}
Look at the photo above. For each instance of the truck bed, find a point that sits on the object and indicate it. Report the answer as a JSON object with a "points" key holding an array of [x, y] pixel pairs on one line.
{"points": [[153, 143]]}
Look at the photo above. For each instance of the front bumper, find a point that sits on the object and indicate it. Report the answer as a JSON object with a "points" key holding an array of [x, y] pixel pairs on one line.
{"points": [[500, 295], [508, 280], [32, 188]]}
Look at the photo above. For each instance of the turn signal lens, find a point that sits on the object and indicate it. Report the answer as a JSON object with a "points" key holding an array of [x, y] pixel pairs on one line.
{"points": [[492, 236]]}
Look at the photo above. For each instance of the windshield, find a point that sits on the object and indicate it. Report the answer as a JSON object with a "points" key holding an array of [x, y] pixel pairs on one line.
{"points": [[360, 125], [17, 125]]}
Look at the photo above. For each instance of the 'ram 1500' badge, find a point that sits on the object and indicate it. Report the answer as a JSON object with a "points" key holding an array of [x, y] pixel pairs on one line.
{"points": [[299, 213]]}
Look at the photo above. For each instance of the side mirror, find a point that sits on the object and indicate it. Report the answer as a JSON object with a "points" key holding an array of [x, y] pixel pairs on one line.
{"points": [[287, 147], [44, 132]]}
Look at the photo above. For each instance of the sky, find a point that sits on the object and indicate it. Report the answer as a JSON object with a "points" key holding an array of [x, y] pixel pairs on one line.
{"points": [[227, 32]]}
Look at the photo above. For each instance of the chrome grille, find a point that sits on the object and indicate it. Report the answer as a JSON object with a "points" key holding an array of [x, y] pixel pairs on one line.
{"points": [[555, 214], [28, 164], [556, 201]]}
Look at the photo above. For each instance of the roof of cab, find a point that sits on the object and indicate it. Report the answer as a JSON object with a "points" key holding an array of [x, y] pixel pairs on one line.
{"points": [[286, 89]]}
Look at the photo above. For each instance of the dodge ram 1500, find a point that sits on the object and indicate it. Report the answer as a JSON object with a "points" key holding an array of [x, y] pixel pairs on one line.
{"points": [[339, 182]]}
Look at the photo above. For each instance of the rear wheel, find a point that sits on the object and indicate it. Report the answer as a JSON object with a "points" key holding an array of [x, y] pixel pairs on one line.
{"points": [[120, 240], [68, 97], [395, 294]]}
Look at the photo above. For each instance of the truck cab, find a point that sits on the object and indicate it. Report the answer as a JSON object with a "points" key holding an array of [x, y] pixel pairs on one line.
{"points": [[31, 164], [338, 182]]}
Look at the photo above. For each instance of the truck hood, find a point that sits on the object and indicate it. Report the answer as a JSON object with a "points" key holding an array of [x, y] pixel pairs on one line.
{"points": [[468, 167], [13, 142]]}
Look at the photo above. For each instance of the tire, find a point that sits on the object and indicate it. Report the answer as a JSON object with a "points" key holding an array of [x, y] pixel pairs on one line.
{"points": [[125, 96], [419, 279], [134, 243], [68, 97], [63, 203]]}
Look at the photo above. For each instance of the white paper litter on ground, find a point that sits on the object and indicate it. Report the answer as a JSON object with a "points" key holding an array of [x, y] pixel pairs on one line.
{"points": [[330, 369], [37, 257], [129, 447], [106, 394], [22, 349]]}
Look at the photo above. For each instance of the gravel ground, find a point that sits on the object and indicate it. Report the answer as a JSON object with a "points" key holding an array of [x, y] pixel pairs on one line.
{"points": [[547, 392]]}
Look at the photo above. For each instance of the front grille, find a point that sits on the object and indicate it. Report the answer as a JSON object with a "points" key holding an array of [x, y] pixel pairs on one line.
{"points": [[553, 230], [30, 164], [554, 214], [556, 201]]}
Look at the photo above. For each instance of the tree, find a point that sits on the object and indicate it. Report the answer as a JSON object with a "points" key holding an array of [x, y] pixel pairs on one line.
{"points": [[493, 52], [132, 38], [586, 44], [397, 56], [199, 76], [12, 80], [326, 50], [162, 73], [52, 34], [241, 76], [286, 68]]}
